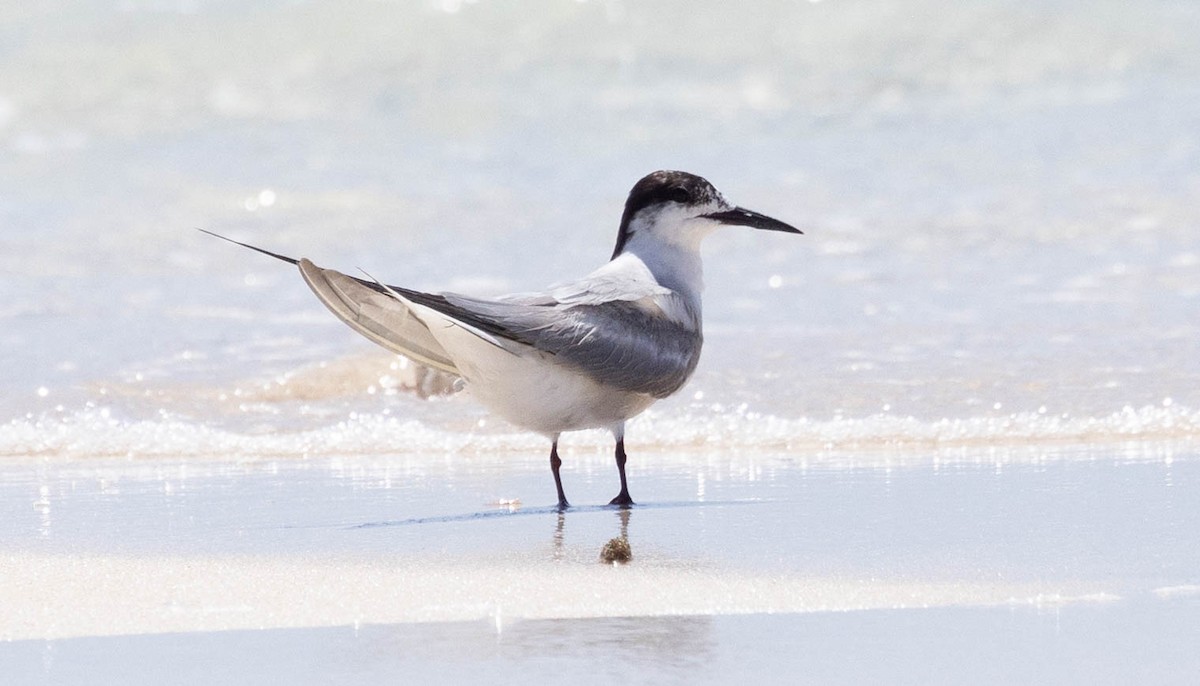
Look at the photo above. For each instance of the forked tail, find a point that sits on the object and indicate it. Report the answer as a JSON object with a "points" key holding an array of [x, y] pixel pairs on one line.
{"points": [[369, 309]]}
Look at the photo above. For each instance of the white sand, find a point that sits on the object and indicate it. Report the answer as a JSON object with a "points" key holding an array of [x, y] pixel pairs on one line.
{"points": [[62, 596]]}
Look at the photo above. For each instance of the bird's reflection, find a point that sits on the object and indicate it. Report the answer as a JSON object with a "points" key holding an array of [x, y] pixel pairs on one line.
{"points": [[616, 550], [558, 535]]}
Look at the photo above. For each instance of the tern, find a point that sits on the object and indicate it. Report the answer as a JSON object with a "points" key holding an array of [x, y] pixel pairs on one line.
{"points": [[586, 354]]}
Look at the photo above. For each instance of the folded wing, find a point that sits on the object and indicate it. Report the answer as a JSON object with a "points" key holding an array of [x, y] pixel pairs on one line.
{"points": [[624, 344], [618, 336], [376, 314]]}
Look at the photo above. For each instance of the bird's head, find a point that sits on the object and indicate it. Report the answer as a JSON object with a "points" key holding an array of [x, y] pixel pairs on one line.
{"points": [[679, 208]]}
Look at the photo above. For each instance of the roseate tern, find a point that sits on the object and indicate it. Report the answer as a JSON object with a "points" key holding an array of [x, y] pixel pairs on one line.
{"points": [[585, 354]]}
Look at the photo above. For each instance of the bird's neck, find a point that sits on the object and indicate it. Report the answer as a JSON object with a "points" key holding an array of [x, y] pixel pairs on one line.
{"points": [[676, 266]]}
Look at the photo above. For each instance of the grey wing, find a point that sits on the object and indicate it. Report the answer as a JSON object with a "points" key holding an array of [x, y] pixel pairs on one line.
{"points": [[623, 345], [382, 313], [369, 309], [620, 343], [376, 315]]}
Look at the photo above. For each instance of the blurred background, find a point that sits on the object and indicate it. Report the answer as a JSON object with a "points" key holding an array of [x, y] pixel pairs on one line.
{"points": [[999, 200]]}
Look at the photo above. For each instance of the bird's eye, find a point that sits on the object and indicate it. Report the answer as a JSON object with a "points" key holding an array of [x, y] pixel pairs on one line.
{"points": [[680, 195]]}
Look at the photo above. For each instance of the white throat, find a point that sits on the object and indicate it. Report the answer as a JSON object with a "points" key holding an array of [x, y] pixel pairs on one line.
{"points": [[673, 258]]}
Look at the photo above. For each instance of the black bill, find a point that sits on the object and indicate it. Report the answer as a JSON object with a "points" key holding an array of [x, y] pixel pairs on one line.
{"points": [[741, 216]]}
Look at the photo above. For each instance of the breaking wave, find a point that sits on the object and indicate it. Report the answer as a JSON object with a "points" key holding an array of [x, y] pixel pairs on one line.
{"points": [[94, 433]]}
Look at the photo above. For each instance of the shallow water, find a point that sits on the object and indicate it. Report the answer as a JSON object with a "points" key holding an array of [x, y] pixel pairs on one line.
{"points": [[1076, 525], [1081, 512], [942, 646], [981, 569]]}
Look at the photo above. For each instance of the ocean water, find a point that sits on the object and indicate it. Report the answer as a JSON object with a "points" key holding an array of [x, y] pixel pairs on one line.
{"points": [[372, 568], [999, 201]]}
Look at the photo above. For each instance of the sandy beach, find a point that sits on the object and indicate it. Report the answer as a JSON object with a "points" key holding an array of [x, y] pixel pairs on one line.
{"points": [[1086, 563]]}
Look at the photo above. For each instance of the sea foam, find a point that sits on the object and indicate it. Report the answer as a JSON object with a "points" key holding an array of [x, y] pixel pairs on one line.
{"points": [[95, 433]]}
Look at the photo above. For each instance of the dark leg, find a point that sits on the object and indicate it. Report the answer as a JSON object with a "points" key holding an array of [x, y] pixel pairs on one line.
{"points": [[555, 463], [622, 498]]}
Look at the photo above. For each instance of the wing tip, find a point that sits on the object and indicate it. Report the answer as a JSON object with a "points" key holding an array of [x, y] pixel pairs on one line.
{"points": [[285, 258]]}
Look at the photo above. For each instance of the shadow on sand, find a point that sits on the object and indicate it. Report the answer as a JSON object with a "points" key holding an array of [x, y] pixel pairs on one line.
{"points": [[548, 510]]}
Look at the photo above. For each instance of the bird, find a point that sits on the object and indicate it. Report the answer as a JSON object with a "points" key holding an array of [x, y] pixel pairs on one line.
{"points": [[585, 354]]}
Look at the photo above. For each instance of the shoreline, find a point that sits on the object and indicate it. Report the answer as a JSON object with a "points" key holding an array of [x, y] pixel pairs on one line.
{"points": [[151, 546], [62, 596]]}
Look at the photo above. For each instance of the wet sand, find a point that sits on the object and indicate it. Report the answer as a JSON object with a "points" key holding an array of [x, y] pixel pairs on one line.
{"points": [[390, 566], [1122, 643]]}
